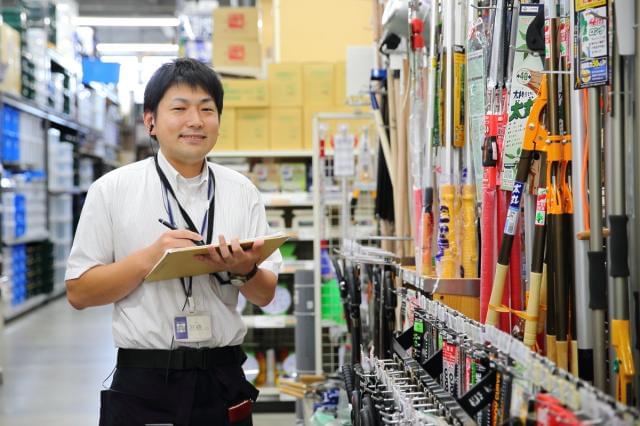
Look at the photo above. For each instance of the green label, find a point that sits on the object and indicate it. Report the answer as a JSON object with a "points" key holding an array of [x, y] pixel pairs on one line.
{"points": [[418, 327]]}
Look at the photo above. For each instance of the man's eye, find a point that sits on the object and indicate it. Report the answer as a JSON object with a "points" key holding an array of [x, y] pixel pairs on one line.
{"points": [[208, 109], [178, 109]]}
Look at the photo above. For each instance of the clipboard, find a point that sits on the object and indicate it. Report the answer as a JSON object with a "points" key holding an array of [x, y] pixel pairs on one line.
{"points": [[181, 262]]}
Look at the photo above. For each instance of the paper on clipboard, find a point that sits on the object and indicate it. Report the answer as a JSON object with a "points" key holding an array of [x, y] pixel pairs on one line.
{"points": [[181, 262]]}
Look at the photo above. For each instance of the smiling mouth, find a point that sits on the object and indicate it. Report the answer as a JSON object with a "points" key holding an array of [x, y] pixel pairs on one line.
{"points": [[193, 138]]}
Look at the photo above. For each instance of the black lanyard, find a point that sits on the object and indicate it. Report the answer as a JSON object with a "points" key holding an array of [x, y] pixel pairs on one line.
{"points": [[188, 289]]}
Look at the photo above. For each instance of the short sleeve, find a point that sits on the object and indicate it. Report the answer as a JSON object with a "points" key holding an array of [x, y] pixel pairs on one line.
{"points": [[259, 227], [93, 240]]}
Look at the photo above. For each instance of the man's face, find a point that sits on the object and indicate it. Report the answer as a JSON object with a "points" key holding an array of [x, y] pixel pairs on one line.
{"points": [[186, 124]]}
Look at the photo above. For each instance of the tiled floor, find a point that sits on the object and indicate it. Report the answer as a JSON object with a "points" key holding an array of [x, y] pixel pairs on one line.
{"points": [[55, 360]]}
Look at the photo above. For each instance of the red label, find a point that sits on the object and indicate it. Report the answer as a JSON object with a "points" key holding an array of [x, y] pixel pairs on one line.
{"points": [[236, 52], [235, 21]]}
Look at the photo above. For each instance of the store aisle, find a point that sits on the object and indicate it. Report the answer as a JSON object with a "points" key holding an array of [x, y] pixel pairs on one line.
{"points": [[54, 361]]}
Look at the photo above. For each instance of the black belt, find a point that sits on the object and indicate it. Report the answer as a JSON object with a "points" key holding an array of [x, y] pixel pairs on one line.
{"points": [[180, 359]]}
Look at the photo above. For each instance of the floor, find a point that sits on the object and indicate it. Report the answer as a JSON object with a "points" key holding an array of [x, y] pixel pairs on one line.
{"points": [[55, 360]]}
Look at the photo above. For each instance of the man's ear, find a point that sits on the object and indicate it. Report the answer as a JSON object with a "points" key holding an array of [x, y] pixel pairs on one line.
{"points": [[149, 123]]}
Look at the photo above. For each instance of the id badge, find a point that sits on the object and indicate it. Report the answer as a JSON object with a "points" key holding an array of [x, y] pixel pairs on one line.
{"points": [[192, 327]]}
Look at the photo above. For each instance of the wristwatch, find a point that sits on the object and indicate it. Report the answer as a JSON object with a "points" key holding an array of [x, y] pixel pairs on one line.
{"points": [[240, 280]]}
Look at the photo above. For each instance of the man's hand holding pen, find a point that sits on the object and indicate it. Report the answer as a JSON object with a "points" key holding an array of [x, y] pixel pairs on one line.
{"points": [[233, 259]]}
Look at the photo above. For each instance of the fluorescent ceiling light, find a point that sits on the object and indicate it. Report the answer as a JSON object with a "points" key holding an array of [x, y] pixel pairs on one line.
{"points": [[98, 21], [112, 48]]}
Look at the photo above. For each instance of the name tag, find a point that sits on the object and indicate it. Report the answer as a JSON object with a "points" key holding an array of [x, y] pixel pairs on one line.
{"points": [[192, 328]]}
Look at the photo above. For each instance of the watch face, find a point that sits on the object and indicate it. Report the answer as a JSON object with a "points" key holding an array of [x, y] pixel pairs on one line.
{"points": [[238, 282], [280, 303]]}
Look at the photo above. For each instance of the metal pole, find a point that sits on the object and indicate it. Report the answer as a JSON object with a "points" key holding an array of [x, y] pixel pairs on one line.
{"points": [[318, 216], [305, 342], [595, 241], [621, 369], [635, 283], [584, 317]]}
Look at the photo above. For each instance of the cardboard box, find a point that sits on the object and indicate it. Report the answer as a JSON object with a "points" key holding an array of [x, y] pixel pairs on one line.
{"points": [[236, 53], [227, 133], [285, 85], [286, 128], [293, 177], [252, 129], [10, 56], [239, 23], [318, 84], [245, 93], [340, 84]]}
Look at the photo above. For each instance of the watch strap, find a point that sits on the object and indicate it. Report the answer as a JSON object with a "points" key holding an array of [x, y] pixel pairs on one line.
{"points": [[252, 273]]}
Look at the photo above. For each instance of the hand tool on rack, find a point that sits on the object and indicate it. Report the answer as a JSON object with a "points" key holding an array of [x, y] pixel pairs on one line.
{"points": [[583, 318], [353, 286], [596, 255], [344, 291], [623, 367], [447, 256], [427, 173], [493, 120], [534, 144]]}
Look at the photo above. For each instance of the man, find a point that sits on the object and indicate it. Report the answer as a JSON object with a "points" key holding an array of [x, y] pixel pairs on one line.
{"points": [[163, 376]]}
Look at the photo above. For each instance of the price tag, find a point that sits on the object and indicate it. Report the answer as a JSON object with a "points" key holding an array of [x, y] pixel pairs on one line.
{"points": [[537, 373]]}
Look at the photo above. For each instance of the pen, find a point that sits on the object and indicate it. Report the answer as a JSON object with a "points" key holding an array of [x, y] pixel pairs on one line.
{"points": [[173, 228]]}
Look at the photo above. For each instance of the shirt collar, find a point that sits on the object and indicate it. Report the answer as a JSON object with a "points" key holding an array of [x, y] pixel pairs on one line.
{"points": [[174, 177]]}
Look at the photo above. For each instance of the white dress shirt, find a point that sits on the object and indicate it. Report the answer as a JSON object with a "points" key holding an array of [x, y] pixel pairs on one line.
{"points": [[120, 216]]}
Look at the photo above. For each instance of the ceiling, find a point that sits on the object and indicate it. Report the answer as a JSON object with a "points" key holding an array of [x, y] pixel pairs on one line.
{"points": [[140, 8]]}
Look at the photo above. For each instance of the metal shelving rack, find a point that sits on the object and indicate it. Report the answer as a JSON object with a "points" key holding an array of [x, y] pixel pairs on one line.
{"points": [[275, 327], [333, 217]]}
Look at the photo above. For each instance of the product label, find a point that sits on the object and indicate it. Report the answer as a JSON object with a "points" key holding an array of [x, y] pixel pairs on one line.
{"points": [[511, 221], [541, 207], [592, 65], [450, 368]]}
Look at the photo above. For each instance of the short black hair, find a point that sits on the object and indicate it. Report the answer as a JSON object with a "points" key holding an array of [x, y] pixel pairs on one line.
{"points": [[182, 71]]}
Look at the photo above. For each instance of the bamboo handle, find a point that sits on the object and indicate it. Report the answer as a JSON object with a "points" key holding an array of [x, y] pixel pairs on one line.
{"points": [[469, 240], [497, 289], [533, 309], [562, 354], [446, 232], [551, 348], [543, 296]]}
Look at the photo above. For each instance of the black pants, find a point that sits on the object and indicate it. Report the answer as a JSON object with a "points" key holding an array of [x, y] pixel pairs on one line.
{"points": [[142, 396]]}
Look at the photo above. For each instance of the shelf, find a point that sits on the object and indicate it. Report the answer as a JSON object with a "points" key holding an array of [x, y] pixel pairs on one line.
{"points": [[46, 113], [27, 240], [453, 286], [287, 199], [269, 321], [87, 153], [242, 72], [12, 312], [291, 266], [66, 63], [74, 190], [260, 154]]}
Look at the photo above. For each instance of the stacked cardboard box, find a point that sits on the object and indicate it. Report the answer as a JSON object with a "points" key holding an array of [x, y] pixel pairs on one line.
{"points": [[236, 43], [276, 113], [10, 58]]}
